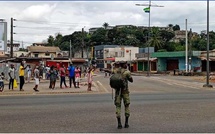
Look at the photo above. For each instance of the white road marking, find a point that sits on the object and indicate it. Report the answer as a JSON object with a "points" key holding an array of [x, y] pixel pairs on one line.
{"points": [[100, 84], [194, 85]]}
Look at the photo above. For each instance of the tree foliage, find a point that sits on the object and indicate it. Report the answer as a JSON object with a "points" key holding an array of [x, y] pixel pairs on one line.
{"points": [[162, 40], [176, 27]]}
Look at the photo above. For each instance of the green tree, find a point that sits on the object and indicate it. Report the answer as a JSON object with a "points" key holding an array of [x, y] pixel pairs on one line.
{"points": [[179, 47], [99, 37], [155, 38], [166, 36], [176, 27], [50, 40], [65, 46], [55, 41], [58, 39]]}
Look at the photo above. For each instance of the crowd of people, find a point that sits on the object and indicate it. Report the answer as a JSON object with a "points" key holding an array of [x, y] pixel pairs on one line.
{"points": [[120, 74], [52, 73]]}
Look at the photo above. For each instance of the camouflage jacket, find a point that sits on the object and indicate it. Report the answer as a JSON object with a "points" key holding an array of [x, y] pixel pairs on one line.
{"points": [[126, 75]]}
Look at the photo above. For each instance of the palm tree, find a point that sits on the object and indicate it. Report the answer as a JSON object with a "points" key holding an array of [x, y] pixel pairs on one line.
{"points": [[155, 38], [105, 25]]}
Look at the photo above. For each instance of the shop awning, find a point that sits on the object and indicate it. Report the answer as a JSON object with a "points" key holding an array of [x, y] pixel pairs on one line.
{"points": [[109, 59], [210, 58]]}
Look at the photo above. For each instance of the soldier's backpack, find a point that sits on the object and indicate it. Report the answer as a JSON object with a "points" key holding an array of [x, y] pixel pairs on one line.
{"points": [[117, 81]]}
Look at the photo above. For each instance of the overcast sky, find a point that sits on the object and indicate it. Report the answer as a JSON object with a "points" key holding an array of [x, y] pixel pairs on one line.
{"points": [[37, 20]]}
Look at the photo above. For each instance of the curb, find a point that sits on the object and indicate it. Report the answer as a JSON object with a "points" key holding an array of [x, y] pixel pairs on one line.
{"points": [[95, 89], [44, 93], [143, 74]]}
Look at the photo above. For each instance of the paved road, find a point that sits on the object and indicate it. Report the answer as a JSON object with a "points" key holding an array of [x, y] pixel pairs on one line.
{"points": [[161, 84], [158, 104], [93, 113]]}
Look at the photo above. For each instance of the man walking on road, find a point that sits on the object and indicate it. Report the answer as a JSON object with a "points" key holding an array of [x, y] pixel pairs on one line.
{"points": [[123, 94]]}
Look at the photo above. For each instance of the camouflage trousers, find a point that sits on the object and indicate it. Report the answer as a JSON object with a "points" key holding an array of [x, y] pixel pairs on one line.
{"points": [[119, 96]]}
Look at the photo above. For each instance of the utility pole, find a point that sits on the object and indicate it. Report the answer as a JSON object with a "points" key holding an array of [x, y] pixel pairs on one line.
{"points": [[82, 51], [70, 50], [11, 38], [148, 72], [22, 46], [186, 45], [190, 50], [70, 55], [149, 6], [87, 55], [207, 78]]}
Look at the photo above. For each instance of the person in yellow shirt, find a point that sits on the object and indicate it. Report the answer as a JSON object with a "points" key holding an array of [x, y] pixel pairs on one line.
{"points": [[21, 76]]}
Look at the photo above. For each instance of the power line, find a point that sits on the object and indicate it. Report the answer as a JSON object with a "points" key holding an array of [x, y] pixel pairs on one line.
{"points": [[39, 28], [54, 23], [23, 42]]}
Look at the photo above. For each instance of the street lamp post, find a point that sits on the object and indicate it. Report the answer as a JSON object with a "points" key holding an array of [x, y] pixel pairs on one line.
{"points": [[70, 51], [148, 72], [207, 79], [83, 46], [149, 6]]}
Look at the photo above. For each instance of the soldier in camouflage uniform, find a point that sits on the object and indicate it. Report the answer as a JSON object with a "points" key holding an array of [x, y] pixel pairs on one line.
{"points": [[123, 94]]}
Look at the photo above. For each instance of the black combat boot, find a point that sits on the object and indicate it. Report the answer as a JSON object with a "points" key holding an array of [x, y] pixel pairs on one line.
{"points": [[126, 122], [119, 123]]}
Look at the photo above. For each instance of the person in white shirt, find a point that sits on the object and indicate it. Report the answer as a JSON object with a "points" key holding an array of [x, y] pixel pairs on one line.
{"points": [[29, 73], [37, 78], [11, 74], [47, 72]]}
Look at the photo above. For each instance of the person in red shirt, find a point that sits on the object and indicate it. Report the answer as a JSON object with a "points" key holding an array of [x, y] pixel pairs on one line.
{"points": [[62, 76]]}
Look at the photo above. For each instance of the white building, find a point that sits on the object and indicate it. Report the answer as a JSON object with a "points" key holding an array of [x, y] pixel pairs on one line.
{"points": [[15, 47], [121, 53]]}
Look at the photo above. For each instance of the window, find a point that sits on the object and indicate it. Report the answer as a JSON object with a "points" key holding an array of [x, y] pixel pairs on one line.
{"points": [[122, 54], [116, 54], [36, 55], [102, 52], [47, 54], [98, 53], [119, 54]]}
